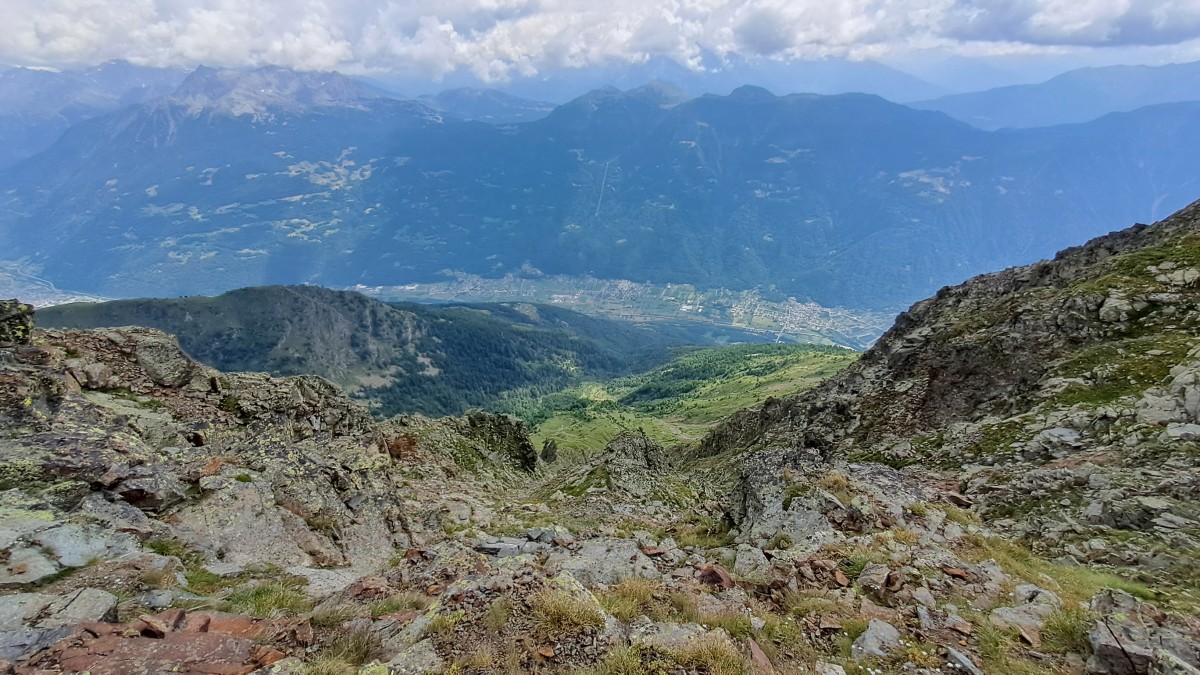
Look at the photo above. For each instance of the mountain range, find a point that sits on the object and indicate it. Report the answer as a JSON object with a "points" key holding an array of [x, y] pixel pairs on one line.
{"points": [[845, 200]]}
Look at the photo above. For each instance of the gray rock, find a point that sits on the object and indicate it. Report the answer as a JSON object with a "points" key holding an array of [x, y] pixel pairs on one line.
{"points": [[25, 566], [1183, 432], [500, 549], [1134, 638], [22, 643], [962, 662], [604, 561], [243, 523], [153, 492], [924, 597], [418, 659], [18, 610], [750, 564], [159, 355], [1030, 617], [665, 637], [160, 599], [873, 578], [77, 546], [635, 463], [878, 639], [86, 604], [16, 323], [1115, 310], [823, 668]]}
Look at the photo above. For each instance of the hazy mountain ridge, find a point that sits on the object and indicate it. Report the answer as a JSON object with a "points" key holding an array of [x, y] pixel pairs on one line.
{"points": [[1073, 97], [487, 105], [37, 106]]}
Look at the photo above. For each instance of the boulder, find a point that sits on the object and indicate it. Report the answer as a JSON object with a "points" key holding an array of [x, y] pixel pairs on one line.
{"points": [[83, 606], [604, 561], [750, 564], [879, 639], [1135, 638]]}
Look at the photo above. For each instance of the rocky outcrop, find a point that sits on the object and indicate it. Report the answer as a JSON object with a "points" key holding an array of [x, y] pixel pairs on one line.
{"points": [[1041, 391], [634, 462]]}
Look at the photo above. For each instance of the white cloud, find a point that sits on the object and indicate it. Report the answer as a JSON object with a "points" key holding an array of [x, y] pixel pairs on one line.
{"points": [[499, 39]]}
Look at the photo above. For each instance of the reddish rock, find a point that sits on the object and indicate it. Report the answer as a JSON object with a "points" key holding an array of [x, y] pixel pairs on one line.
{"points": [[958, 500], [715, 575], [369, 588], [151, 626], [208, 653], [869, 610], [265, 656], [759, 658], [403, 616], [225, 624], [841, 579]]}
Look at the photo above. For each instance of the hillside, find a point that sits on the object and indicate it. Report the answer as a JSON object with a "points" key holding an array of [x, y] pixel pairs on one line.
{"points": [[848, 201], [1005, 483], [679, 401], [401, 357]]}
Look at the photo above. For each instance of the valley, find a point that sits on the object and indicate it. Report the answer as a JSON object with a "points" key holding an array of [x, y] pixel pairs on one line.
{"points": [[1005, 482], [785, 321]]}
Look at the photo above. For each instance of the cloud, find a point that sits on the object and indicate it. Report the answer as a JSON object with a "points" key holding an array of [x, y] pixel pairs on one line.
{"points": [[500, 39]]}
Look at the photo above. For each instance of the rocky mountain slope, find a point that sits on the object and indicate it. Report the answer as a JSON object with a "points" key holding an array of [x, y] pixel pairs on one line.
{"points": [[1004, 484], [37, 106], [245, 179]]}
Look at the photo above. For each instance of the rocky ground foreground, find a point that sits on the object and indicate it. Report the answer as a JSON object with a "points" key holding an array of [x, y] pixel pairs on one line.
{"points": [[1006, 483]]}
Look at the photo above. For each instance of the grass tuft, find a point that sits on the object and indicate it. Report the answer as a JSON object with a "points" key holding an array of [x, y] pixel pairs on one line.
{"points": [[268, 599], [560, 613]]}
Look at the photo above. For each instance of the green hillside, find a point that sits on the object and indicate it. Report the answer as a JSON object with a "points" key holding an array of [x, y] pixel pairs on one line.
{"points": [[679, 401]]}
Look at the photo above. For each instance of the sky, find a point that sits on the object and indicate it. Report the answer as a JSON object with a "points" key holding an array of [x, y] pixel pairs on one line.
{"points": [[497, 41]]}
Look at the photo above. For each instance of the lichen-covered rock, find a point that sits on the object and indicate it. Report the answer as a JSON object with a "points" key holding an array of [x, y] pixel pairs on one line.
{"points": [[16, 323]]}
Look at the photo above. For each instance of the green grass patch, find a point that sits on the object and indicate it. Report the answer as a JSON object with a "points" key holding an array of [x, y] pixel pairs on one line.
{"points": [[273, 598]]}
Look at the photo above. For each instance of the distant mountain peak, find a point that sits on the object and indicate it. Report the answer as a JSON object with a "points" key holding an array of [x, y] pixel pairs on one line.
{"points": [[749, 92], [660, 93], [268, 89]]}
